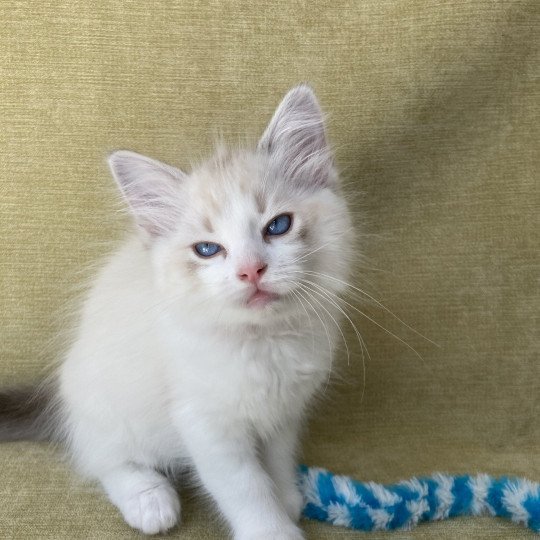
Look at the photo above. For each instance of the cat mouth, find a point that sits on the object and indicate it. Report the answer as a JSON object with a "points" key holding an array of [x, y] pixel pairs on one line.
{"points": [[260, 298]]}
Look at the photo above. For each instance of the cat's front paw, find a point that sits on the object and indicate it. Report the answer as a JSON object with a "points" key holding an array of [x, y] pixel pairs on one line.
{"points": [[153, 510]]}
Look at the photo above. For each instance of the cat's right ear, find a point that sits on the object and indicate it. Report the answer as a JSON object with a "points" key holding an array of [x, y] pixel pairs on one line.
{"points": [[296, 139], [151, 189]]}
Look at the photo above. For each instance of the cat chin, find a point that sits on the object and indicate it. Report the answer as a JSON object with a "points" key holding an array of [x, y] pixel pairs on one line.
{"points": [[262, 312], [260, 299]]}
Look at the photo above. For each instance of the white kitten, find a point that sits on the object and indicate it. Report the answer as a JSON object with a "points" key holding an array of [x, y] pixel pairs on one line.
{"points": [[198, 345]]}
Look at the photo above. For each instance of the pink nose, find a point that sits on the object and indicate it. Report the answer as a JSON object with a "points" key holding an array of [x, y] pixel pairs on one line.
{"points": [[252, 272]]}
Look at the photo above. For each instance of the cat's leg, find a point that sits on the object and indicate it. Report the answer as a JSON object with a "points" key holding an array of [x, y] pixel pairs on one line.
{"points": [[146, 498], [279, 457], [227, 463]]}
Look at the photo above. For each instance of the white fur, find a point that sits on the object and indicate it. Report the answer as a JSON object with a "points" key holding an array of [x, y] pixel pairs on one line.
{"points": [[480, 485], [345, 487], [514, 495], [170, 368], [444, 494]]}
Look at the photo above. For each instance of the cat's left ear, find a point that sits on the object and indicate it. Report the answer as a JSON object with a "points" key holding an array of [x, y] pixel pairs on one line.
{"points": [[151, 189], [296, 140]]}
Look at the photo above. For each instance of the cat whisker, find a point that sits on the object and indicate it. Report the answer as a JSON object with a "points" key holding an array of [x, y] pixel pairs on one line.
{"points": [[293, 292], [374, 300], [326, 332], [304, 256], [306, 290], [359, 337], [299, 292], [389, 332]]}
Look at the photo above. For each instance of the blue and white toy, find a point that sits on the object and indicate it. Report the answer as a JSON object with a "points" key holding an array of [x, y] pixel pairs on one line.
{"points": [[368, 506]]}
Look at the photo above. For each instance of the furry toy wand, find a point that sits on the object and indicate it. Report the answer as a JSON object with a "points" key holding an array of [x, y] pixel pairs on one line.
{"points": [[368, 506]]}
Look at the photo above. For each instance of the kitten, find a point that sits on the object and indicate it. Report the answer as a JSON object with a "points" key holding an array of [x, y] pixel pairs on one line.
{"points": [[198, 346]]}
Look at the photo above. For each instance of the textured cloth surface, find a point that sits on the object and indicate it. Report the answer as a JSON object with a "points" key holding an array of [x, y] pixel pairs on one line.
{"points": [[433, 110]]}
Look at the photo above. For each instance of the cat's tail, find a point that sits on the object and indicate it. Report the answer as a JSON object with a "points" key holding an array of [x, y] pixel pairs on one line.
{"points": [[27, 413]]}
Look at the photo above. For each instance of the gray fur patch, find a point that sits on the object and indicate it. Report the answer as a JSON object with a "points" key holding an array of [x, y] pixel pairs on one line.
{"points": [[25, 413]]}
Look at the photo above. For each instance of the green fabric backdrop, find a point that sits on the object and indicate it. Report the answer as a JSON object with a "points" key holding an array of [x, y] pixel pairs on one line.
{"points": [[433, 110]]}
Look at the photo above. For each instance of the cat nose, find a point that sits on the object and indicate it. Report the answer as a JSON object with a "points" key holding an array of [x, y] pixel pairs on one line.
{"points": [[252, 272]]}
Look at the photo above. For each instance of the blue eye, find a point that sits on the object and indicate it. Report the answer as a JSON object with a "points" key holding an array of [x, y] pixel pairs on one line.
{"points": [[207, 249], [279, 225]]}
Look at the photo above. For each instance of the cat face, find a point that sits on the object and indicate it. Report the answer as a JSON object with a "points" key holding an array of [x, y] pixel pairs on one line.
{"points": [[235, 237]]}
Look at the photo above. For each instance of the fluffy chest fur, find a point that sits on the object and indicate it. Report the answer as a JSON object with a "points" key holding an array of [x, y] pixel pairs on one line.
{"points": [[263, 379]]}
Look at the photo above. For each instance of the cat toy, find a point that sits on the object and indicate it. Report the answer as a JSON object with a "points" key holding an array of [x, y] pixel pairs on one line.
{"points": [[369, 506]]}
